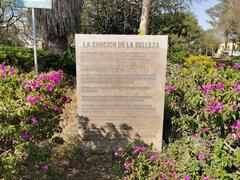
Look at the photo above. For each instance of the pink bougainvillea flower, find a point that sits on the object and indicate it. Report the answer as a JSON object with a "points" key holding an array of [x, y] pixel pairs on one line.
{"points": [[153, 157], [56, 76], [203, 130], [222, 65], [236, 125], [25, 135], [11, 71], [66, 99], [217, 107], [164, 177], [237, 88], [234, 106], [198, 135], [29, 85], [38, 97], [174, 173], [49, 87], [186, 177], [3, 73], [118, 152], [32, 85], [138, 149], [31, 100], [236, 66], [45, 168], [44, 106], [128, 165], [170, 88], [167, 164], [201, 155], [208, 87], [34, 120], [235, 136], [205, 178], [220, 86], [58, 110], [2, 66]]}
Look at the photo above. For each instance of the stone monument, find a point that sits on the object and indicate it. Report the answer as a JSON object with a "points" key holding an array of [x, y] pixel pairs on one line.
{"points": [[121, 88]]}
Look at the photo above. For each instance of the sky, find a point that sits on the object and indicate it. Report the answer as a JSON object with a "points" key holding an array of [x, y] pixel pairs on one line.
{"points": [[199, 8]]}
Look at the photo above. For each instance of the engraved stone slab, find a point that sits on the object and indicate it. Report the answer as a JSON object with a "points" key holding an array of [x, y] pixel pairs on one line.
{"points": [[121, 88]]}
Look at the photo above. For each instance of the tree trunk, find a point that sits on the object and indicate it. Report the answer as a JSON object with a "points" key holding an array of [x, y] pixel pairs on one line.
{"points": [[56, 25], [56, 44], [143, 29]]}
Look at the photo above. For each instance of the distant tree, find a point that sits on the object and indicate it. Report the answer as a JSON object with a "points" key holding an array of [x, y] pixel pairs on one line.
{"points": [[226, 17], [209, 42], [8, 17], [127, 16], [161, 7], [181, 27], [111, 16], [56, 26]]}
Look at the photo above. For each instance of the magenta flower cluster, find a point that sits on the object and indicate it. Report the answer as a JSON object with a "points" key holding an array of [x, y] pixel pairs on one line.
{"points": [[201, 155], [34, 120], [128, 164], [210, 87], [34, 99], [118, 152], [220, 66], [33, 85], [213, 105], [66, 99], [170, 88], [50, 80], [235, 129], [217, 107], [25, 135], [170, 171], [236, 66], [45, 168], [237, 88], [6, 70], [139, 149], [153, 157], [47, 81]]}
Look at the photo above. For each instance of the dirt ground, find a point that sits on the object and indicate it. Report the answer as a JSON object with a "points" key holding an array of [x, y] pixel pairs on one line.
{"points": [[70, 161]]}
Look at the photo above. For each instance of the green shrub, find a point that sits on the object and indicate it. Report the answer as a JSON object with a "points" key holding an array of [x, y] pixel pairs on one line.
{"points": [[30, 109], [205, 98], [205, 106], [176, 57], [197, 158], [23, 59]]}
